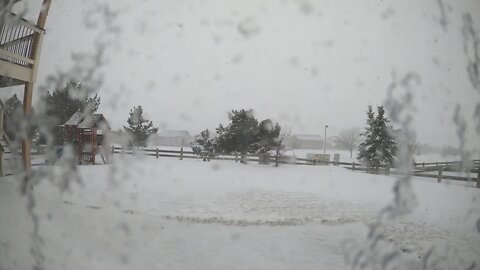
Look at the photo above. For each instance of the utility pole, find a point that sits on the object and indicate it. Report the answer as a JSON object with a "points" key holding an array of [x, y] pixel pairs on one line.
{"points": [[325, 141]]}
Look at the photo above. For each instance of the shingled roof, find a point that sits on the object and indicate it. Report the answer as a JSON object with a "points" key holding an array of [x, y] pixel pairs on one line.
{"points": [[82, 120]]}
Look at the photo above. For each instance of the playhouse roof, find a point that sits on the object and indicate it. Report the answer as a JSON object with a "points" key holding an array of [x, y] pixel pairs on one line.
{"points": [[82, 120]]}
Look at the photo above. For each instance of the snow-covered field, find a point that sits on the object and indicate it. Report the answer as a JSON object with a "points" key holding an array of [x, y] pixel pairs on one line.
{"points": [[147, 213]]}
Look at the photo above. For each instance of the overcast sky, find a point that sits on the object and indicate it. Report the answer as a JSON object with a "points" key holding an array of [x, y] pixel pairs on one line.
{"points": [[304, 64]]}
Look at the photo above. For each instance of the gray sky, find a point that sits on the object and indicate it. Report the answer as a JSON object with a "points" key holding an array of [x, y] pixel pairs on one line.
{"points": [[304, 64]]}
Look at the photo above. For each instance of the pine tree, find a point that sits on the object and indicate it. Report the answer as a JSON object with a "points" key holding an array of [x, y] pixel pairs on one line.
{"points": [[245, 135], [204, 146], [266, 137], [139, 128], [386, 146], [379, 146], [63, 103], [13, 112], [240, 134]]}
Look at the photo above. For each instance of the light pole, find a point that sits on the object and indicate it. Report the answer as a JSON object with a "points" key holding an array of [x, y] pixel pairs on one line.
{"points": [[325, 141]]}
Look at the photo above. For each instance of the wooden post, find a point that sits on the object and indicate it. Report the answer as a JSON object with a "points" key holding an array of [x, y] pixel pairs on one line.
{"points": [[181, 153], [1, 161], [113, 149], [1, 135], [156, 153], [42, 17], [28, 92], [27, 109], [236, 157], [387, 169], [423, 165], [478, 176], [439, 178], [353, 166]]}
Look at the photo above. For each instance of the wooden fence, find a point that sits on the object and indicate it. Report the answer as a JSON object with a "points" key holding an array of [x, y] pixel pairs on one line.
{"points": [[421, 169]]}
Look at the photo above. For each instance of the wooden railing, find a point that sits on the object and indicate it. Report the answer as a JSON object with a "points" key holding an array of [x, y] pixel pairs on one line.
{"points": [[18, 40]]}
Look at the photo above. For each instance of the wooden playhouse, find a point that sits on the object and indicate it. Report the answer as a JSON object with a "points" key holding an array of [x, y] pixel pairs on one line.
{"points": [[86, 133]]}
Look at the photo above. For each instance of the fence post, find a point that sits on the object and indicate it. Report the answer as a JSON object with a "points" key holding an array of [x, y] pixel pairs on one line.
{"points": [[387, 169], [236, 157], [156, 153], [478, 176], [439, 178], [1, 162], [181, 153], [113, 149], [353, 166], [423, 165]]}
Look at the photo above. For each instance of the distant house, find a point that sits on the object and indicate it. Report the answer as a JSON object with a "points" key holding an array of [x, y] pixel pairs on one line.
{"points": [[171, 138], [298, 141]]}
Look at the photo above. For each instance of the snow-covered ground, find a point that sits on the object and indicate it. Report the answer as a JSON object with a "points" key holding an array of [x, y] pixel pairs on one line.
{"points": [[147, 213]]}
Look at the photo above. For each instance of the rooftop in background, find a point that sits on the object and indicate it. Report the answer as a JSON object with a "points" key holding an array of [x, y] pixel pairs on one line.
{"points": [[308, 137]]}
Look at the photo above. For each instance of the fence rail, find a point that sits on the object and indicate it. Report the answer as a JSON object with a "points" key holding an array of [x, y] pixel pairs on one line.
{"points": [[420, 169]]}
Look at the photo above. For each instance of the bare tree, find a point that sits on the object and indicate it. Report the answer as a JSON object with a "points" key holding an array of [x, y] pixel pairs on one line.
{"points": [[348, 139], [280, 144]]}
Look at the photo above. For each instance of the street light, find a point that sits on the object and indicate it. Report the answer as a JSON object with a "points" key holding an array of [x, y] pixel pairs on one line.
{"points": [[325, 141]]}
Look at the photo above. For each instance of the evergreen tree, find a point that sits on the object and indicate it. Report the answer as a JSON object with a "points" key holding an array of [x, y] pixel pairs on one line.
{"points": [[267, 134], [63, 103], [139, 128], [379, 146], [204, 146], [387, 147], [240, 134], [245, 135], [13, 111]]}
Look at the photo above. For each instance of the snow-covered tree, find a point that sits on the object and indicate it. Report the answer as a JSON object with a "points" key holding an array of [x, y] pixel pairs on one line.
{"points": [[279, 145], [379, 146], [139, 128], [13, 110], [266, 137], [245, 135], [204, 145], [64, 102]]}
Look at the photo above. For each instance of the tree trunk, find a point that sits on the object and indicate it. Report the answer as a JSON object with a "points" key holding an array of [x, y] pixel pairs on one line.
{"points": [[277, 156], [243, 158]]}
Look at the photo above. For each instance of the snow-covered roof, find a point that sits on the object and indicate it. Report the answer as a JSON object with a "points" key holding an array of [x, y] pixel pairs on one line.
{"points": [[307, 137], [75, 119], [174, 133], [81, 120]]}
